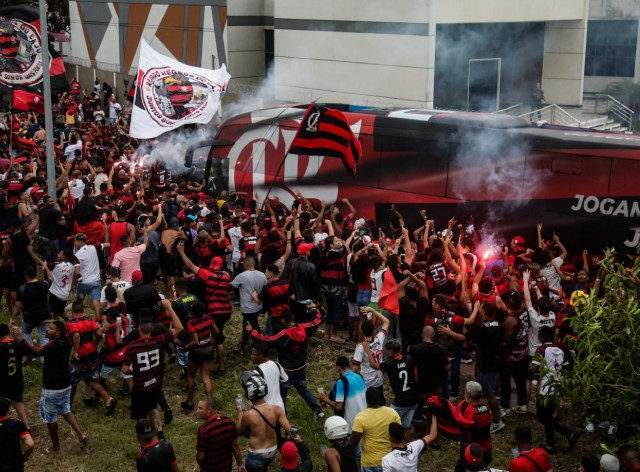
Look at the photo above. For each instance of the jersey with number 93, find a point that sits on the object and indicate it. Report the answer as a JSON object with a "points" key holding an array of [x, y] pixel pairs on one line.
{"points": [[146, 358]]}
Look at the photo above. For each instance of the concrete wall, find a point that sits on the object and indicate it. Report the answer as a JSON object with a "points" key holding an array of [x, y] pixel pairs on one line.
{"points": [[506, 11], [87, 76]]}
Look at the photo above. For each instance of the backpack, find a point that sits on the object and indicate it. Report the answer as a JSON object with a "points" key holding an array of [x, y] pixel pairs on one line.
{"points": [[171, 209], [332, 396], [444, 340]]}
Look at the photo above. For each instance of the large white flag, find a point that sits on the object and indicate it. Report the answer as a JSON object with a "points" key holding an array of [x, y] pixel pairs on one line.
{"points": [[170, 94]]}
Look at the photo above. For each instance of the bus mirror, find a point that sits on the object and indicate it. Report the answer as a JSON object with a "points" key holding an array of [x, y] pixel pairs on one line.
{"points": [[188, 155]]}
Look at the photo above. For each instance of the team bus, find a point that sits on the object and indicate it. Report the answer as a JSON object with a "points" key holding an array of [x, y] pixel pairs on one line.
{"points": [[509, 173]]}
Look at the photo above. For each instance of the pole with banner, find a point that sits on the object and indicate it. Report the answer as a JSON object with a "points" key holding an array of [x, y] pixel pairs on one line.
{"points": [[48, 120]]}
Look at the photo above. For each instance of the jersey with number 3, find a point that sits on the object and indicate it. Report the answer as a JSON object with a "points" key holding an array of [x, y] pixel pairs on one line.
{"points": [[11, 354], [62, 278], [400, 371], [146, 358]]}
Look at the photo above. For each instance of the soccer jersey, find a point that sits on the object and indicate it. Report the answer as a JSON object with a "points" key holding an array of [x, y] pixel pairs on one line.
{"points": [[10, 451], [202, 327], [62, 277], [247, 244], [525, 461], [156, 457], [85, 327], [114, 359], [403, 459], [11, 354], [400, 371], [146, 359], [217, 300], [215, 439], [371, 376], [480, 414]]}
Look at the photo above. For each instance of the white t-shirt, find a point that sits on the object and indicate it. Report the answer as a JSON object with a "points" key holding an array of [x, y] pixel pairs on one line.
{"points": [[121, 285], [235, 235], [114, 108], [62, 280], [319, 237], [377, 279], [99, 180], [69, 151], [403, 460], [273, 374], [98, 115], [554, 358], [88, 262], [552, 277], [537, 320], [77, 189], [372, 377]]}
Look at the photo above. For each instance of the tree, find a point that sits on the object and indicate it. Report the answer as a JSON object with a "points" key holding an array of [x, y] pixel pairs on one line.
{"points": [[626, 91], [604, 384], [58, 21]]}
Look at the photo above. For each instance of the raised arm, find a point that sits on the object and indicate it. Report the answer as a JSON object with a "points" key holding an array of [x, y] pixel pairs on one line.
{"points": [[556, 239], [186, 260], [397, 213], [352, 210], [527, 295], [540, 241]]}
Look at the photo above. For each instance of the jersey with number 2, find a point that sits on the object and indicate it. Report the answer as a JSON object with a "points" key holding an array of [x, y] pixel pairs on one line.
{"points": [[400, 371], [146, 358]]}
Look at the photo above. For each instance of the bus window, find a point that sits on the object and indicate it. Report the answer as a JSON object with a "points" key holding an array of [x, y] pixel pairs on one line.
{"points": [[219, 175], [414, 165]]}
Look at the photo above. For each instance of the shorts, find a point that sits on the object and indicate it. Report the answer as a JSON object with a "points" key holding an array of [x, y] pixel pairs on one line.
{"points": [[15, 281], [528, 375], [252, 318], [488, 382], [168, 264], [149, 271], [12, 392], [88, 374], [199, 356], [405, 413], [220, 321], [353, 310], [144, 401], [418, 414], [56, 305], [108, 372], [84, 289], [5, 276], [183, 357], [54, 403]]}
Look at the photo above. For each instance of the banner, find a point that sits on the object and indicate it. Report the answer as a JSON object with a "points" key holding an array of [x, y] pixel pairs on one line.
{"points": [[170, 94], [27, 99], [21, 52]]}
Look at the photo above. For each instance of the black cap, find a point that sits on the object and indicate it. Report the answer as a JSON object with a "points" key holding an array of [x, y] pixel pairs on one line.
{"points": [[174, 223], [196, 208], [145, 429], [113, 312], [30, 272], [110, 292]]}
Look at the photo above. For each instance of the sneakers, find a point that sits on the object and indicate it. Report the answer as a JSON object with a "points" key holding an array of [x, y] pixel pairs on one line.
{"points": [[604, 425], [183, 375], [591, 428], [612, 430], [321, 414], [466, 360], [495, 427], [573, 440], [550, 450], [505, 412], [522, 409], [186, 406]]}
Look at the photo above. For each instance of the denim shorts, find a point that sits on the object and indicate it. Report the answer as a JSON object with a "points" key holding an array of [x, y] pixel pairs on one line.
{"points": [[258, 462], [405, 413], [88, 374], [372, 469], [54, 403], [183, 357], [108, 372], [84, 289], [488, 382]]}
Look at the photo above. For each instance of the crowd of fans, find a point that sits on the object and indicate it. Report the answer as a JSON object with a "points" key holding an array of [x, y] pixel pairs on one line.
{"points": [[123, 227]]}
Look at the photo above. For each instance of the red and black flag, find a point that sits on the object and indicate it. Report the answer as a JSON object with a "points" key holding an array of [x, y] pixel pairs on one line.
{"points": [[27, 99], [325, 132], [132, 90]]}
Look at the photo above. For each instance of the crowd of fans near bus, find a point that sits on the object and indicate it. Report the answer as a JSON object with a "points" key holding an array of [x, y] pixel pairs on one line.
{"points": [[165, 257]]}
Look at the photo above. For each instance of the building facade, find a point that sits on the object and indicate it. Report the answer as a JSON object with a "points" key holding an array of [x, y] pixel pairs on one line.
{"points": [[477, 54]]}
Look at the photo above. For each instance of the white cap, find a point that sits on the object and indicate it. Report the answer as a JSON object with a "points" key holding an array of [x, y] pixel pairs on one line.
{"points": [[336, 427], [609, 463]]}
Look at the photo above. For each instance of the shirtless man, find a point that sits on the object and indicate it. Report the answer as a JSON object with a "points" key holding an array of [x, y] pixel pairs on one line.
{"points": [[168, 259], [263, 447]]}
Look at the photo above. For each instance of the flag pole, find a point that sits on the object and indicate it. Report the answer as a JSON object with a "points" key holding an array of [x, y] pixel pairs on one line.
{"points": [[48, 121], [272, 182]]}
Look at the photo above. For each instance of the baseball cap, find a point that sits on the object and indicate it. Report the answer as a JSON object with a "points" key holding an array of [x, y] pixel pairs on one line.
{"points": [[196, 208], [470, 457], [519, 242], [30, 272], [104, 198], [289, 455], [113, 312], [16, 127], [304, 248], [136, 277], [174, 223], [216, 263], [110, 292], [192, 217], [145, 429]]}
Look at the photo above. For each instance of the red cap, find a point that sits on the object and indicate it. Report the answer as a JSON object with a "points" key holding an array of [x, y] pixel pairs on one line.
{"points": [[519, 242], [304, 248], [216, 263], [16, 126], [471, 458], [289, 455], [136, 277]]}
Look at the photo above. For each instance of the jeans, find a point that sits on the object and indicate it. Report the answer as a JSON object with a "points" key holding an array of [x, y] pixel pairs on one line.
{"points": [[455, 367], [183, 357], [90, 288], [267, 325], [54, 403], [518, 373], [358, 451], [394, 324], [257, 463], [405, 413], [50, 248], [363, 298], [488, 382], [299, 381], [372, 469], [335, 304], [545, 416], [27, 328]]}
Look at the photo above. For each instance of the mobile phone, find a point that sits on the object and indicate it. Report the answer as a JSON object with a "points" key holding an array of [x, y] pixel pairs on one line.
{"points": [[368, 315], [294, 432], [320, 389], [241, 403], [323, 450], [515, 453]]}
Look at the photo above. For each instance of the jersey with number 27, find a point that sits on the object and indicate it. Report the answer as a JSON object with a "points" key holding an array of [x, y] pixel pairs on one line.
{"points": [[62, 278], [146, 358]]}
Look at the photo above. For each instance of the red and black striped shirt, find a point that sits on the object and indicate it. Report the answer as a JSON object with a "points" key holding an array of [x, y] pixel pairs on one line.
{"points": [[85, 327], [146, 358], [217, 284], [275, 295], [480, 431], [114, 359], [215, 439], [334, 269], [248, 244], [202, 327]]}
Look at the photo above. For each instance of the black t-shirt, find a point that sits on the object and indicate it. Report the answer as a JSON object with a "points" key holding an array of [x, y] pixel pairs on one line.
{"points": [[11, 353], [156, 457], [21, 257], [198, 287], [430, 360], [55, 372], [4, 199], [400, 372], [134, 335], [487, 335], [49, 218], [86, 211], [139, 297], [35, 301], [10, 433], [182, 307], [412, 319]]}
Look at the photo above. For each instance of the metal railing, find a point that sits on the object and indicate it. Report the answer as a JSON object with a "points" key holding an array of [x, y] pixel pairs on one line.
{"points": [[515, 110], [616, 108], [555, 115]]}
